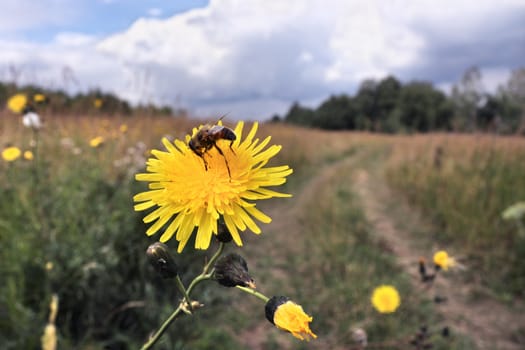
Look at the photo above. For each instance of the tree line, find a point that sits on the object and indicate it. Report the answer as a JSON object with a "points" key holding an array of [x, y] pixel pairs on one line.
{"points": [[94, 101], [388, 105]]}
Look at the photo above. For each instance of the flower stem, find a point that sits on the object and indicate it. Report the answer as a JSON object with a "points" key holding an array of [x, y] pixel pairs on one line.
{"points": [[254, 293], [205, 275], [211, 263], [181, 288], [162, 329]]}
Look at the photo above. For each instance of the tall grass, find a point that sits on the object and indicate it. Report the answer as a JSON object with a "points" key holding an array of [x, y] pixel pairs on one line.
{"points": [[463, 183], [67, 226]]}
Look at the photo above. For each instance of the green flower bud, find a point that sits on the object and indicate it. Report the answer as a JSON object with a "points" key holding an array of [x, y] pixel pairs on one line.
{"points": [[161, 260]]}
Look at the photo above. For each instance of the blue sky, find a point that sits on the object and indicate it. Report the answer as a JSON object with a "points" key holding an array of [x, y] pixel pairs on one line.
{"points": [[97, 17], [253, 58]]}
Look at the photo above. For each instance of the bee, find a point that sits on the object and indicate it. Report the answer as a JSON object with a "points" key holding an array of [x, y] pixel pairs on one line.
{"points": [[207, 137]]}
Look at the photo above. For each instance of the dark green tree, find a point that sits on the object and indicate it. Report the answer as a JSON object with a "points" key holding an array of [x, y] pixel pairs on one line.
{"points": [[337, 113], [423, 108], [300, 115]]}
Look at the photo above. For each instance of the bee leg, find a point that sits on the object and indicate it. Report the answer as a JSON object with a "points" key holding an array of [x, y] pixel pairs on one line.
{"points": [[203, 160], [225, 160], [231, 149]]}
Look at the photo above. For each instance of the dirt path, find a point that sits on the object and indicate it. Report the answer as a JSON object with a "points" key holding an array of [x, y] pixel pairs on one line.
{"points": [[286, 219], [490, 324]]}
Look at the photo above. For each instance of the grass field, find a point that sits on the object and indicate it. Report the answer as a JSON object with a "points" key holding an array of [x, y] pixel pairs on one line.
{"points": [[67, 227]]}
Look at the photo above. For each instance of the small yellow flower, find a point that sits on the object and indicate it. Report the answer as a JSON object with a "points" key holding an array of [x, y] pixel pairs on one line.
{"points": [[123, 128], [11, 154], [39, 98], [96, 141], [386, 299], [49, 266], [16, 103], [28, 155], [97, 103], [290, 317], [193, 196], [443, 260]]}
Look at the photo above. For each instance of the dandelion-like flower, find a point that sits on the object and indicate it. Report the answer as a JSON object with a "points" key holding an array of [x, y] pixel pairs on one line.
{"points": [[290, 317], [96, 141], [17, 103], [11, 154], [39, 98], [28, 155], [443, 260], [183, 190], [385, 299]]}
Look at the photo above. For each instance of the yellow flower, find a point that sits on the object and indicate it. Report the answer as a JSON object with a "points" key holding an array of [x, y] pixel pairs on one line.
{"points": [[96, 141], [28, 155], [16, 103], [182, 188], [123, 128], [97, 103], [290, 317], [11, 154], [385, 299], [444, 261], [39, 98]]}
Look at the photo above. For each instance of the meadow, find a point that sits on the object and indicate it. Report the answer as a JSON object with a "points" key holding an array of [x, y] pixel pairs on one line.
{"points": [[67, 227]]}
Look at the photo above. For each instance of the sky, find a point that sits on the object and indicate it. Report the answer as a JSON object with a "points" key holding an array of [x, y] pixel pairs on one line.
{"points": [[251, 59]]}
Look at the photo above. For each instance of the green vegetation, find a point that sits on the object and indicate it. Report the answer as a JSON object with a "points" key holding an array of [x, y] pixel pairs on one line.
{"points": [[94, 102], [464, 188], [67, 227]]}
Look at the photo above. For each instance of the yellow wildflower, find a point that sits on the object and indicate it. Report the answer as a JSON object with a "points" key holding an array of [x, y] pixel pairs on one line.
{"points": [[443, 260], [28, 155], [123, 128], [96, 141], [386, 299], [183, 189], [290, 317], [11, 154], [16, 103], [39, 98]]}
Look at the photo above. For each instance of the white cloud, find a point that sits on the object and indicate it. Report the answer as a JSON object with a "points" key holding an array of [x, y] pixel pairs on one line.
{"points": [[234, 54], [68, 62]]}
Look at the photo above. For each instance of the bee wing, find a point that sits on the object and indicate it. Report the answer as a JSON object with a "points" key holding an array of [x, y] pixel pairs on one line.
{"points": [[215, 129]]}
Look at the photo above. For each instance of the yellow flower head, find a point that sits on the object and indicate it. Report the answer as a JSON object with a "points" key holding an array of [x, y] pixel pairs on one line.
{"points": [[96, 141], [183, 190], [11, 154], [28, 155], [97, 103], [16, 103], [123, 128], [385, 299], [290, 317], [444, 261], [39, 98]]}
